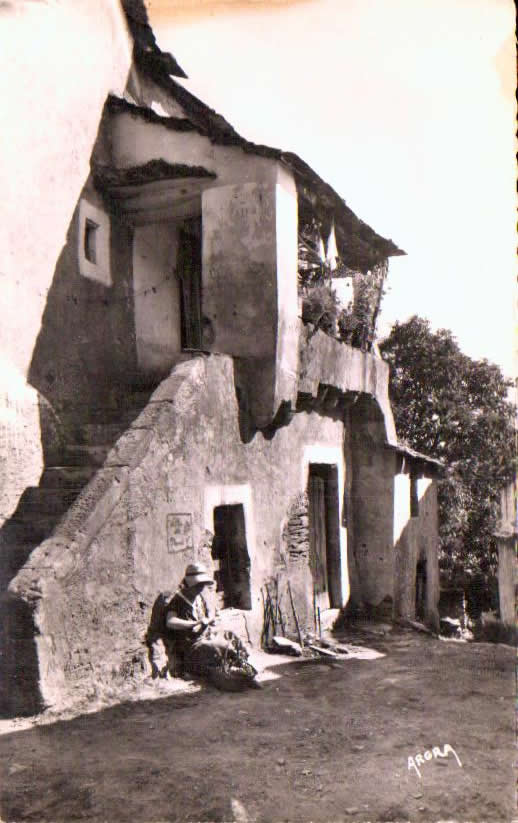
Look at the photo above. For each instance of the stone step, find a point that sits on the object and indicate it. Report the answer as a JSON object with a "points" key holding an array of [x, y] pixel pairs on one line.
{"points": [[129, 405], [98, 434], [130, 413], [67, 477], [41, 501], [15, 555], [78, 454], [33, 530]]}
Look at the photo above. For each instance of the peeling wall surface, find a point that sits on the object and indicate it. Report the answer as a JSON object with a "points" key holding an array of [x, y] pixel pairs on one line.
{"points": [[45, 150], [373, 507], [147, 511], [250, 285], [114, 550]]}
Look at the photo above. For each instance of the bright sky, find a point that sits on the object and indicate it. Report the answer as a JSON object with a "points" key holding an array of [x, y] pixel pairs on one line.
{"points": [[406, 107]]}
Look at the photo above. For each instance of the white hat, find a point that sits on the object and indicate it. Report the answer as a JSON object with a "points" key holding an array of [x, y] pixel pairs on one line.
{"points": [[197, 573]]}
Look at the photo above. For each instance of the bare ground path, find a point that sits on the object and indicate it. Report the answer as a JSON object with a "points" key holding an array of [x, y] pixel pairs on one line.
{"points": [[320, 743]]}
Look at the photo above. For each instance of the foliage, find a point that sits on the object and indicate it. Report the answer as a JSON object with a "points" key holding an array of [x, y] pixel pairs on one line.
{"points": [[455, 408], [357, 322], [321, 307], [313, 268], [354, 324]]}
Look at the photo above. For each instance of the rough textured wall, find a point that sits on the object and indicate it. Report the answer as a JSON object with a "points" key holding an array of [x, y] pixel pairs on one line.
{"points": [[85, 350], [240, 268], [326, 361], [288, 323], [506, 536], [373, 512], [249, 292], [249, 219], [144, 516], [82, 52], [156, 297], [406, 548], [429, 549], [361, 379], [295, 533], [416, 540], [21, 453], [355, 589], [507, 579]]}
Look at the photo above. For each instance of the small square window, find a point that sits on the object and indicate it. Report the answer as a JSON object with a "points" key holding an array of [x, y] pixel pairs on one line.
{"points": [[90, 241], [93, 243]]}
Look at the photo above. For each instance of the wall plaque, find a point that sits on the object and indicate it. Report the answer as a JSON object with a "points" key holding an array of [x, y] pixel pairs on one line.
{"points": [[179, 533]]}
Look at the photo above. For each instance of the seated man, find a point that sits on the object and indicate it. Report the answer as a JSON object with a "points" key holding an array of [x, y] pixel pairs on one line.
{"points": [[191, 637]]}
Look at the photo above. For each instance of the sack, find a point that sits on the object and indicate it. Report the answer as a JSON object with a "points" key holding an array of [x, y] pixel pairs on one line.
{"points": [[233, 676], [157, 627]]}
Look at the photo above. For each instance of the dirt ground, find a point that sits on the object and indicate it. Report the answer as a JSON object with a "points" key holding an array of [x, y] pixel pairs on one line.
{"points": [[319, 742]]}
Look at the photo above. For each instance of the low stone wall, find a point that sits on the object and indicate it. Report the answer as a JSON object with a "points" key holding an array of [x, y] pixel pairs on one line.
{"points": [[296, 531]]}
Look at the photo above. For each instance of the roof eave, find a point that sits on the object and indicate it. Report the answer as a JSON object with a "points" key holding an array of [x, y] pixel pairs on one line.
{"points": [[415, 456]]}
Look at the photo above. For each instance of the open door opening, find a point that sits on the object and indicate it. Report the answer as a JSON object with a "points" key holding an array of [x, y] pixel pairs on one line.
{"points": [[324, 531], [229, 547], [189, 275], [420, 589]]}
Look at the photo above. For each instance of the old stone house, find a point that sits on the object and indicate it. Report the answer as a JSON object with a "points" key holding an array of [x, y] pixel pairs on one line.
{"points": [[165, 399]]}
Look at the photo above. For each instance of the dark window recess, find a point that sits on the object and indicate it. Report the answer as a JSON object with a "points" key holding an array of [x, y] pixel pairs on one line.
{"points": [[189, 275], [414, 498], [90, 241], [229, 547], [324, 531]]}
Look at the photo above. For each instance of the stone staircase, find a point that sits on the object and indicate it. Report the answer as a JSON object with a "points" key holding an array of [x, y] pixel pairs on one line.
{"points": [[41, 507], [47, 539]]}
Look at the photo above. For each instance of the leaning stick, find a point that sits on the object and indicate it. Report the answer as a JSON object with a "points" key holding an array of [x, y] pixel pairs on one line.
{"points": [[295, 614], [269, 602], [281, 619], [266, 619]]}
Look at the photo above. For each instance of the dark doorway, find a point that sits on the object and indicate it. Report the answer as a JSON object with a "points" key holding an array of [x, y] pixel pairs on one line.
{"points": [[324, 531], [229, 547], [189, 275], [420, 589]]}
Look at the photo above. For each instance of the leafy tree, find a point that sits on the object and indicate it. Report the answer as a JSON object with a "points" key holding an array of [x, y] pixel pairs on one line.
{"points": [[456, 409]]}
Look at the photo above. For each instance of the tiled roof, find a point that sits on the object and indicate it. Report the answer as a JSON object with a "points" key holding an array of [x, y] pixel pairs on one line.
{"points": [[146, 50]]}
